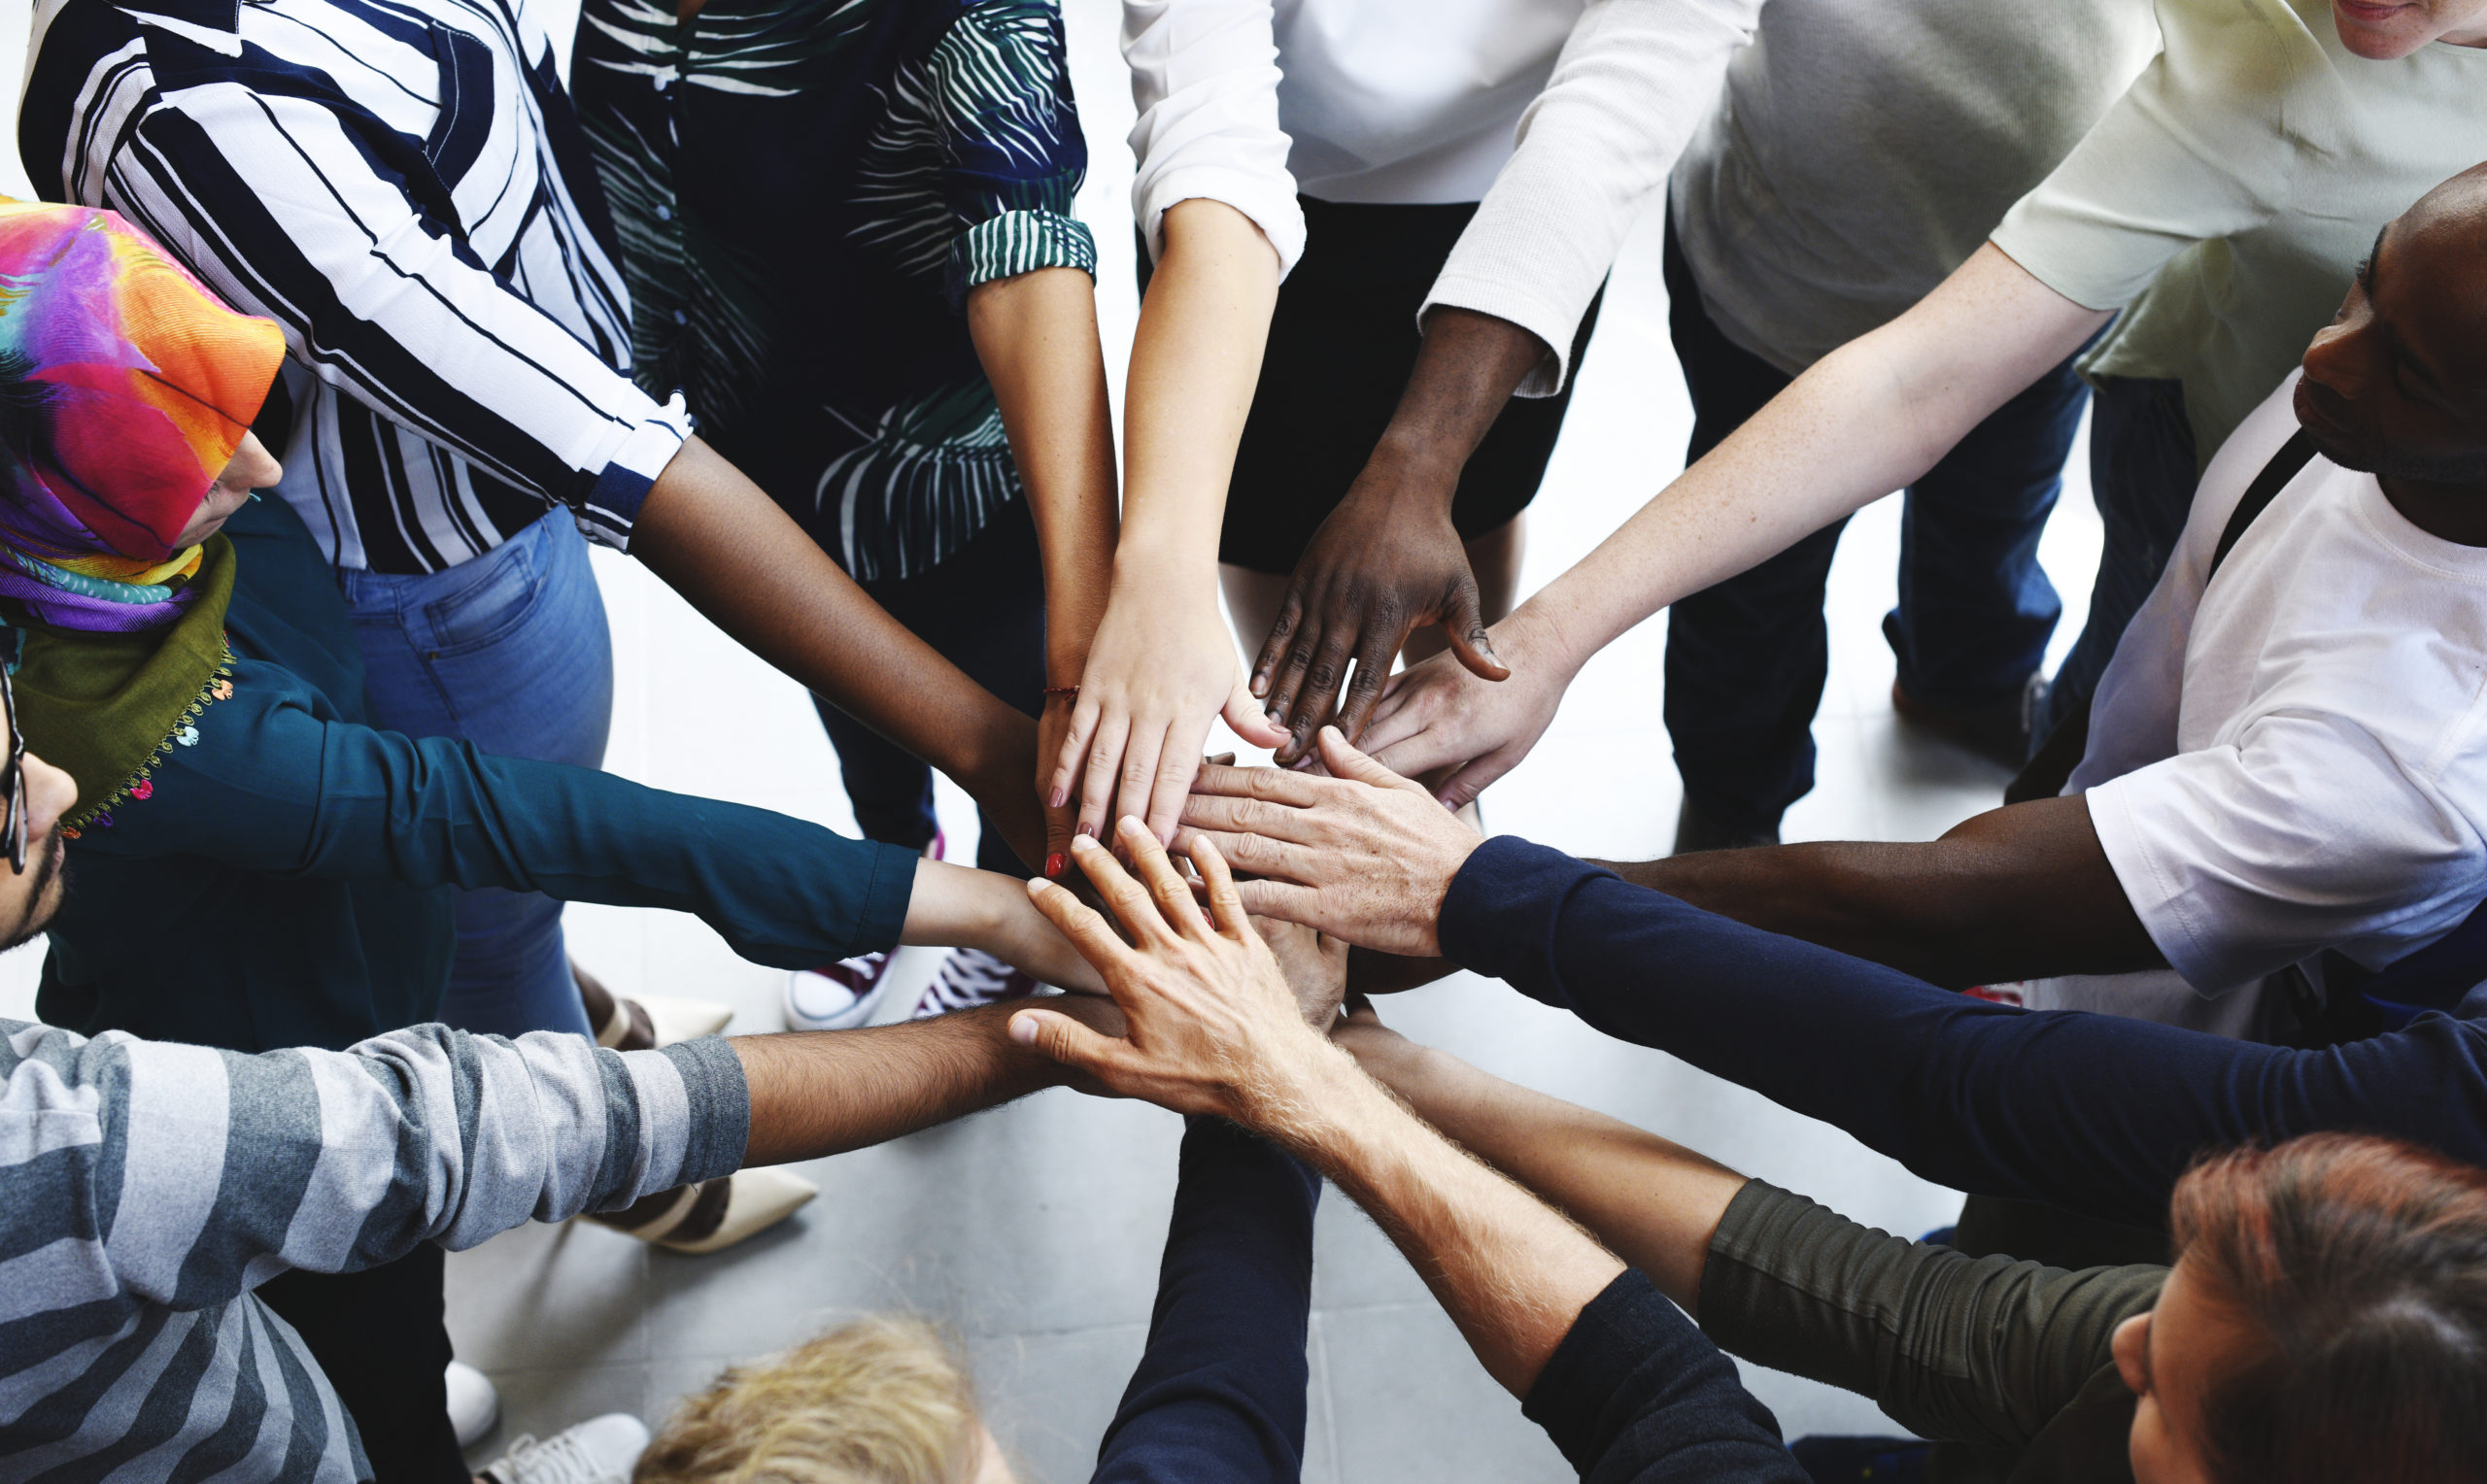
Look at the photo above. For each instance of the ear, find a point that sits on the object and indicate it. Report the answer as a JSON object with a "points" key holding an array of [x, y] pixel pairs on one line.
{"points": [[2132, 1349]]}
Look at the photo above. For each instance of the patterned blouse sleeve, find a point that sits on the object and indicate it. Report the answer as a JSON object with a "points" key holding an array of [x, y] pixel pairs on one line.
{"points": [[1013, 154]]}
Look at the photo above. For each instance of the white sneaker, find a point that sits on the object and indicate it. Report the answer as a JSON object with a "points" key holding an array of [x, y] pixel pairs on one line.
{"points": [[838, 997], [644, 1022], [601, 1450], [474, 1403]]}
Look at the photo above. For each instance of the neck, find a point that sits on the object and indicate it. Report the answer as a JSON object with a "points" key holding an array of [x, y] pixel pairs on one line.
{"points": [[2453, 512]]}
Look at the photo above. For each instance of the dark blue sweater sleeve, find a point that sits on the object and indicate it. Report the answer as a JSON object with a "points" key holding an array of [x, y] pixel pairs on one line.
{"points": [[1219, 1393], [2092, 1113], [1635, 1392]]}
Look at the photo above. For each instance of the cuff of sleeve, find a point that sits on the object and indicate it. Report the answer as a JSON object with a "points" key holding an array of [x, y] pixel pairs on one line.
{"points": [[1550, 322], [1273, 208], [1580, 1399], [2156, 899], [1498, 919], [720, 1115], [1021, 242], [885, 898], [611, 506]]}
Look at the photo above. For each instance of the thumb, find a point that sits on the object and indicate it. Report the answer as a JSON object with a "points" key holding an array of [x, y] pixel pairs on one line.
{"points": [[1340, 757], [1465, 626], [1063, 1039], [1251, 719]]}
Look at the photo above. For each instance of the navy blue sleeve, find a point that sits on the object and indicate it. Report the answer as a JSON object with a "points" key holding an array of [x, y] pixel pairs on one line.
{"points": [[1636, 1393], [2092, 1113], [1219, 1394]]}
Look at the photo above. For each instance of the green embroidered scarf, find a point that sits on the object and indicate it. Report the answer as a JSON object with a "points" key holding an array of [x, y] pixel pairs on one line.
{"points": [[104, 707]]}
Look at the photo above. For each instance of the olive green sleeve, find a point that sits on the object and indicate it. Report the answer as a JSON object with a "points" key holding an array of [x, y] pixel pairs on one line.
{"points": [[1974, 1350]]}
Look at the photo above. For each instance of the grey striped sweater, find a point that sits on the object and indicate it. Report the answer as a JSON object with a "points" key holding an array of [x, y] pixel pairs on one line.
{"points": [[147, 1188]]}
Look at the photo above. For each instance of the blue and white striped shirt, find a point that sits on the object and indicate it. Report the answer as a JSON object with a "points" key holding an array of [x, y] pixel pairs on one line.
{"points": [[403, 186], [147, 1188]]}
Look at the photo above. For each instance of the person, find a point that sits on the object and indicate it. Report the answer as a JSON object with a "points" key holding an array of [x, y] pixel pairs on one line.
{"points": [[1303, 144], [180, 649], [1617, 1377], [1799, 217], [137, 1340], [903, 352], [406, 195], [2221, 204], [2322, 1319], [1219, 1391]]}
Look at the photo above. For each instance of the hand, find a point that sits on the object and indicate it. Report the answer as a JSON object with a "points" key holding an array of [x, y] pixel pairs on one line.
{"points": [[1363, 854], [1316, 967], [1385, 563], [999, 787], [1211, 1026], [1053, 731], [1436, 713], [1161, 669]]}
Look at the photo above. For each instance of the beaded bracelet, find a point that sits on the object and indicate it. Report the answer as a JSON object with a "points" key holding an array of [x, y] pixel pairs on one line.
{"points": [[1062, 689]]}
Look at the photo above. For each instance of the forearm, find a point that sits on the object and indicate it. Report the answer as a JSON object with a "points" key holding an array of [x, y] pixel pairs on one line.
{"points": [[717, 539], [1511, 1272], [1035, 334], [819, 1093], [1195, 359], [1653, 1202], [2021, 893], [955, 906], [1864, 421], [1467, 368]]}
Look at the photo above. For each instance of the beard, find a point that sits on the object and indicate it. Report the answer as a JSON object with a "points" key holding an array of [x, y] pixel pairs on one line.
{"points": [[46, 880]]}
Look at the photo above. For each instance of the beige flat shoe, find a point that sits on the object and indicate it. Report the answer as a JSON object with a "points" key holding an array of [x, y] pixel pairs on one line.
{"points": [[715, 1214], [643, 1021]]}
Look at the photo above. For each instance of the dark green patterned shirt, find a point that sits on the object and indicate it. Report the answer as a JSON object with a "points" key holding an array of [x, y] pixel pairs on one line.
{"points": [[805, 191]]}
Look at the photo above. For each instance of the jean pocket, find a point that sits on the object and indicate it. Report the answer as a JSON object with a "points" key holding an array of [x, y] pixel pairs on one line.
{"points": [[491, 608]]}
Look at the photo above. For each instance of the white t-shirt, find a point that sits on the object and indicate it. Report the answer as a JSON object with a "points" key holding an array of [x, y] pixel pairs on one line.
{"points": [[2297, 760]]}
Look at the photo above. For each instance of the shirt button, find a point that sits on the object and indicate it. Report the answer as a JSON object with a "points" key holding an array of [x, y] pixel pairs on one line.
{"points": [[664, 214], [679, 317]]}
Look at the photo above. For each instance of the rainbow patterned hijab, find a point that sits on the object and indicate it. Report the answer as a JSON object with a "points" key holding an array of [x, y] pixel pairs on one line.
{"points": [[126, 386]]}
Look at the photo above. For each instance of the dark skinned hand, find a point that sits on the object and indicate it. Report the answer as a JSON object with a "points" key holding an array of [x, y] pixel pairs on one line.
{"points": [[1380, 568]]}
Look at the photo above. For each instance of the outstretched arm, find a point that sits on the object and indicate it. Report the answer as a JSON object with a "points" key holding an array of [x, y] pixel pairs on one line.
{"points": [[1864, 421], [1163, 666], [2018, 893]]}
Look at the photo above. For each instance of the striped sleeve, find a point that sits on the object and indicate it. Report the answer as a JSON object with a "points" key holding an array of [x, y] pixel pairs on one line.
{"points": [[1014, 151], [184, 1176], [306, 209]]}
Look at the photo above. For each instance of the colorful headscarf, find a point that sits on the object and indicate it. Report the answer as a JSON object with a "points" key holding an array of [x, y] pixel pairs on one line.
{"points": [[126, 386]]}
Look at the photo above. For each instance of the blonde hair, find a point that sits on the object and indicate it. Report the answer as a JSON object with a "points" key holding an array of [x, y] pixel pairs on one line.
{"points": [[883, 1401]]}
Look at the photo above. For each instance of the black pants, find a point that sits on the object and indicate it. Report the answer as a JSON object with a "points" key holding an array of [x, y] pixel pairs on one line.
{"points": [[1746, 659], [381, 1336], [985, 611]]}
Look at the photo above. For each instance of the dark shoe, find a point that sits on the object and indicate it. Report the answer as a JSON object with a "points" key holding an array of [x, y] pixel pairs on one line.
{"points": [[1998, 731], [1697, 829], [1861, 1460]]}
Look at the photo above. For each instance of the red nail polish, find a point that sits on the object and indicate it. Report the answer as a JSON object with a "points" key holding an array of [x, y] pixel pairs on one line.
{"points": [[1053, 865]]}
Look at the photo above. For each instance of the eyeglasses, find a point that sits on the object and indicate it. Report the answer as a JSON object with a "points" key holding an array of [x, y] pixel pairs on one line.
{"points": [[11, 645]]}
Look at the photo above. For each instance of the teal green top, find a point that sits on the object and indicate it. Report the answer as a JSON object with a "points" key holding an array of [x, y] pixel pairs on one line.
{"points": [[283, 879]]}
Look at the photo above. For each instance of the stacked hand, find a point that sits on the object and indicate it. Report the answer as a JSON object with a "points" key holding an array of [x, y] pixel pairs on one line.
{"points": [[1210, 1022], [1363, 854], [1437, 714]]}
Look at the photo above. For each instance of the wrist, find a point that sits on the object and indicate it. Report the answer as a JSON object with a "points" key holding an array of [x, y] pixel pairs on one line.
{"points": [[1308, 1104], [1411, 469]]}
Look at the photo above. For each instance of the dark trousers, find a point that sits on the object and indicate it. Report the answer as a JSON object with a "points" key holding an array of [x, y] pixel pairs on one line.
{"points": [[381, 1336], [1746, 659], [985, 611], [2143, 473]]}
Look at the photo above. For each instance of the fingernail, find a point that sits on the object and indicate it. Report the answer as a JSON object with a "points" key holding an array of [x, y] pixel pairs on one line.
{"points": [[1084, 830], [1054, 863], [1260, 685], [1023, 1030], [1085, 836], [1057, 798], [1275, 717], [1131, 827]]}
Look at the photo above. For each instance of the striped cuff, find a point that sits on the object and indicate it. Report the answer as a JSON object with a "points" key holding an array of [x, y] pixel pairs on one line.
{"points": [[1021, 242]]}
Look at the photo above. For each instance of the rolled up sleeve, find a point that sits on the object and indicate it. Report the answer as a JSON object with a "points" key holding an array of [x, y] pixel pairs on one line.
{"points": [[1205, 78]]}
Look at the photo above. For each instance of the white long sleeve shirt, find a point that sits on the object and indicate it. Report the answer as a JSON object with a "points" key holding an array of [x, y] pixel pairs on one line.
{"points": [[1405, 102]]}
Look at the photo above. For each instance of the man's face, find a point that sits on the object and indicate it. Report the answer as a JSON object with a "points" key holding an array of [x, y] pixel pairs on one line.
{"points": [[2382, 32], [28, 898], [2396, 384]]}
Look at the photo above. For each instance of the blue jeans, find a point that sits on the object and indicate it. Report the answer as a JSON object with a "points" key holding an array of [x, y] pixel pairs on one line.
{"points": [[1746, 659], [2143, 473], [509, 652]]}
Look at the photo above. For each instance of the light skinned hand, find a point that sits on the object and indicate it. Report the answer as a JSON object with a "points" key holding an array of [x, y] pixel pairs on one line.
{"points": [[1438, 713], [1210, 1022], [1161, 669], [1363, 854]]}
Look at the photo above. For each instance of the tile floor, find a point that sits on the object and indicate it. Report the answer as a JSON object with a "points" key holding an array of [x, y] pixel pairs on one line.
{"points": [[1032, 1231]]}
